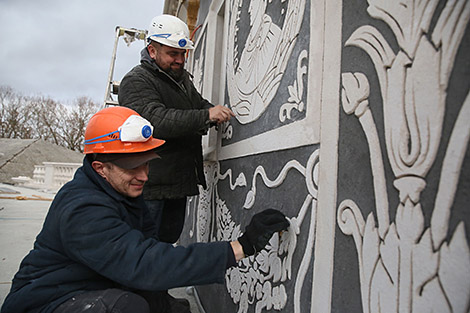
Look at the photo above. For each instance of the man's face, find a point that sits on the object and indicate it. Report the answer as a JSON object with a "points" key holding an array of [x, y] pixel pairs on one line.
{"points": [[169, 59], [129, 183]]}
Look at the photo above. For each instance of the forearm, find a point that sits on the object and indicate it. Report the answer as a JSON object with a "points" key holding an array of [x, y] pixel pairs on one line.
{"points": [[237, 250]]}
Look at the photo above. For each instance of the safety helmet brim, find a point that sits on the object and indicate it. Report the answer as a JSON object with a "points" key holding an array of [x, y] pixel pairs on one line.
{"points": [[182, 43], [128, 160]]}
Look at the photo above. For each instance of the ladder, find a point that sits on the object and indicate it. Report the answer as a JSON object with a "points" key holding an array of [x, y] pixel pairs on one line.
{"points": [[112, 86]]}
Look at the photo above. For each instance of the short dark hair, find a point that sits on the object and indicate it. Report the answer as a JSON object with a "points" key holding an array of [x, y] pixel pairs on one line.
{"points": [[97, 157], [104, 157], [152, 43]]}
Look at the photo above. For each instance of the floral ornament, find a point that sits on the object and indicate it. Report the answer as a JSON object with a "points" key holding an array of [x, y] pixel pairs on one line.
{"points": [[403, 266], [295, 91], [259, 278]]}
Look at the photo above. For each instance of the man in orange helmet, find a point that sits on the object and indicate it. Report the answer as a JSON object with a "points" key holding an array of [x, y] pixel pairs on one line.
{"points": [[99, 252]]}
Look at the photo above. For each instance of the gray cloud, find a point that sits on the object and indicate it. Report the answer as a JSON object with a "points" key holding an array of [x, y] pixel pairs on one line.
{"points": [[62, 49]]}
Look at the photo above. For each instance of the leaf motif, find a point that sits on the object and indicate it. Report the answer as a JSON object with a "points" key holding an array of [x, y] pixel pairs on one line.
{"points": [[262, 259], [431, 299], [250, 199], [276, 269], [241, 180], [370, 248], [372, 41], [279, 297], [355, 89], [425, 262], [296, 91], [292, 94], [389, 251], [383, 293], [397, 16], [236, 233], [454, 270]]}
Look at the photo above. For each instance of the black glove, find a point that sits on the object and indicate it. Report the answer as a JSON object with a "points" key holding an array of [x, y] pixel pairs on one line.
{"points": [[261, 228]]}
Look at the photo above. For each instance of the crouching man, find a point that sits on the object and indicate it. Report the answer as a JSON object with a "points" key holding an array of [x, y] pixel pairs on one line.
{"points": [[98, 250]]}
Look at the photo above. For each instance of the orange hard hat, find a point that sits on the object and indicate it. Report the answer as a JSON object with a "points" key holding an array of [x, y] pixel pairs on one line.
{"points": [[119, 130]]}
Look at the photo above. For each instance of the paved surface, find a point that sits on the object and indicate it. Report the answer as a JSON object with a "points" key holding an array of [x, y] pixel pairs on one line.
{"points": [[20, 222]]}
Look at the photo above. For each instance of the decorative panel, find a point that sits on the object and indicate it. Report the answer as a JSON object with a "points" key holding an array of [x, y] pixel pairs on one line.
{"points": [[351, 118], [396, 100], [270, 51]]}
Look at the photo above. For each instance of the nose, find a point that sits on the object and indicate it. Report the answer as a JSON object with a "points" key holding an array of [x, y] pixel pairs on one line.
{"points": [[142, 172], [179, 59]]}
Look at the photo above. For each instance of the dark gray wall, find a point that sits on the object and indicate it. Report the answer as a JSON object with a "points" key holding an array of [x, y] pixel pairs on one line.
{"points": [[394, 215]]}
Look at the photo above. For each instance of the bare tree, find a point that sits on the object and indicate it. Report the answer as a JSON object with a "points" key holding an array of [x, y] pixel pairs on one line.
{"points": [[48, 115], [42, 117], [14, 115], [73, 130]]}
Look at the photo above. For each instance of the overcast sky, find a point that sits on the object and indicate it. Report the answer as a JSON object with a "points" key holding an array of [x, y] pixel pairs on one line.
{"points": [[62, 49]]}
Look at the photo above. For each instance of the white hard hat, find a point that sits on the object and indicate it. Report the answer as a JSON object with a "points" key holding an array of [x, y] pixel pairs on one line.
{"points": [[170, 31]]}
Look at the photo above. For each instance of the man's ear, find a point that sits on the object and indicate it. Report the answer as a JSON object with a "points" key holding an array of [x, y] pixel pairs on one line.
{"points": [[152, 51], [99, 168]]}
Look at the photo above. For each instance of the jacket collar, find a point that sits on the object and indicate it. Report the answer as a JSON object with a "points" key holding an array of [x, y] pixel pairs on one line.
{"points": [[145, 58]]}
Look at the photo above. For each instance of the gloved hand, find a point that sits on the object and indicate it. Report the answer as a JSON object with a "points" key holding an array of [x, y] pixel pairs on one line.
{"points": [[261, 228]]}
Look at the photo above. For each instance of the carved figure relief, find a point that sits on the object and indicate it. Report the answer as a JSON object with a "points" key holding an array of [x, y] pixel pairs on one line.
{"points": [[267, 76], [403, 266], [254, 74]]}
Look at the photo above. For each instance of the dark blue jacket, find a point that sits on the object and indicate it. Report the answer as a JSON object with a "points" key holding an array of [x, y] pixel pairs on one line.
{"points": [[94, 238]]}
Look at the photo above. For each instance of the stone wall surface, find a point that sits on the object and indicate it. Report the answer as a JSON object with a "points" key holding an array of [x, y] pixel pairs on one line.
{"points": [[352, 119]]}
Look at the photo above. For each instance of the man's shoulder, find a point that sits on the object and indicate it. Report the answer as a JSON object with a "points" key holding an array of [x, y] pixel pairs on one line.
{"points": [[84, 187], [77, 191], [136, 71], [140, 73]]}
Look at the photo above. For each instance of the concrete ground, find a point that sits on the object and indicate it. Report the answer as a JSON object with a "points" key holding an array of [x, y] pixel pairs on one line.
{"points": [[20, 221]]}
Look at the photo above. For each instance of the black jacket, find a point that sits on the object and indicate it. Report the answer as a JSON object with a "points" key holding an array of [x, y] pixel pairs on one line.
{"points": [[180, 116], [94, 238]]}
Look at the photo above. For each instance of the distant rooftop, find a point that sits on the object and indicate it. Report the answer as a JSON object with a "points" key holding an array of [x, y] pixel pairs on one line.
{"points": [[18, 156]]}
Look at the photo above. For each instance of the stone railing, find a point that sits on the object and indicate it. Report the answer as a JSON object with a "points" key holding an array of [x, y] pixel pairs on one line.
{"points": [[49, 175]]}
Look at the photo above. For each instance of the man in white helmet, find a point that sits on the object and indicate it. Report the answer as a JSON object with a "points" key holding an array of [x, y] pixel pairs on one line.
{"points": [[161, 90]]}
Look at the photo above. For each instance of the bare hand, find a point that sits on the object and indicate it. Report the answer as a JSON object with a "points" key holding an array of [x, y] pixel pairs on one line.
{"points": [[220, 114]]}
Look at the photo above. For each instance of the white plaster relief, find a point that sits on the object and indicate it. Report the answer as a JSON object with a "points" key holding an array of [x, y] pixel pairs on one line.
{"points": [[227, 131], [295, 91], [250, 89], [403, 266], [258, 280], [197, 73], [204, 217], [198, 63], [203, 212], [254, 76]]}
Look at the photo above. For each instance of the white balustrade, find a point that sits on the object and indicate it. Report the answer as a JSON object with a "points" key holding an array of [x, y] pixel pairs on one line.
{"points": [[50, 175]]}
